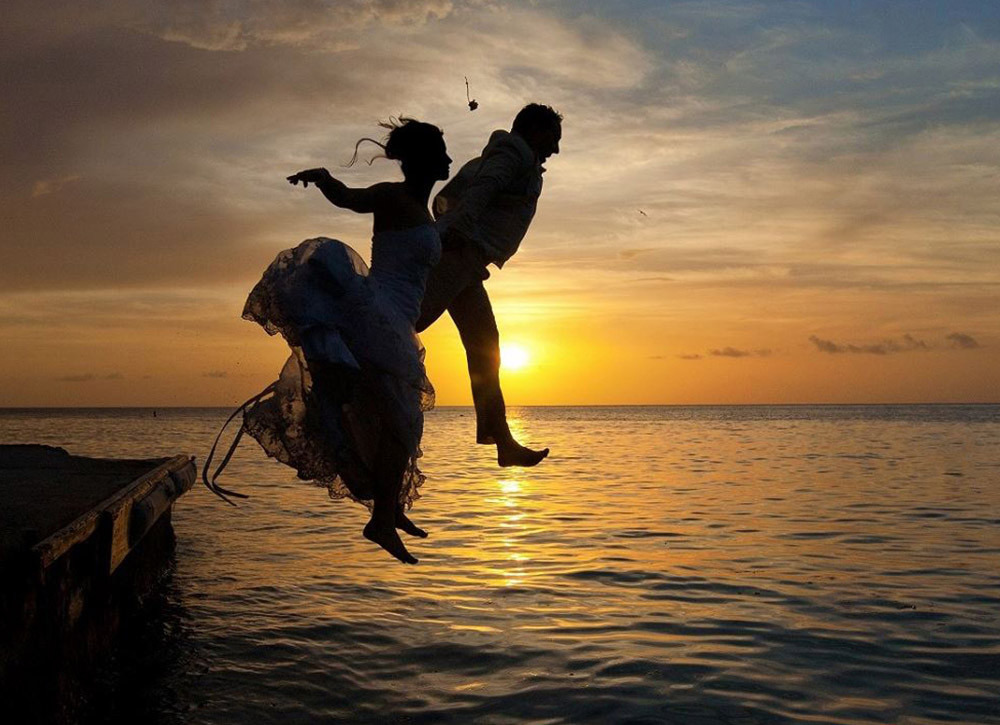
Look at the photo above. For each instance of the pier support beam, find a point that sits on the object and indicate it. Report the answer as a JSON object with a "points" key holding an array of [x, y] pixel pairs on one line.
{"points": [[82, 540]]}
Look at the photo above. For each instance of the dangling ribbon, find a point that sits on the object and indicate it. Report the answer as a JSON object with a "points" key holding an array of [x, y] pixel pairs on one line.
{"points": [[211, 483]]}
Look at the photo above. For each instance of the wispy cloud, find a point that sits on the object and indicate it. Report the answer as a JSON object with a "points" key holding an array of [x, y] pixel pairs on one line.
{"points": [[89, 377], [50, 186], [632, 253], [735, 352], [322, 24], [726, 352], [962, 341], [907, 343]]}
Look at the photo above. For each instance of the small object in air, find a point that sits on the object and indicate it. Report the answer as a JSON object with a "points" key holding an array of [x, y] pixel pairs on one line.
{"points": [[643, 213], [473, 103]]}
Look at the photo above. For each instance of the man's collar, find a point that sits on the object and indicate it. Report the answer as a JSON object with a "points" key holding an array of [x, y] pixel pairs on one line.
{"points": [[523, 140]]}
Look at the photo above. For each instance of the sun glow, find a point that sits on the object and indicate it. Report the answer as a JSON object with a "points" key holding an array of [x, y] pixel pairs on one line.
{"points": [[514, 357]]}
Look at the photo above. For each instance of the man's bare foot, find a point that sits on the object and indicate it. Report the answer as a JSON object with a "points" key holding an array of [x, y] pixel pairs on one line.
{"points": [[514, 454], [388, 539], [404, 524]]}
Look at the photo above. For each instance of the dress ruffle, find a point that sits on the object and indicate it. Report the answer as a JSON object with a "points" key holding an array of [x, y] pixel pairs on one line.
{"points": [[355, 372]]}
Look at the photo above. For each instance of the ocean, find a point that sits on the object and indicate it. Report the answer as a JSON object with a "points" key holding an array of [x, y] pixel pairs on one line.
{"points": [[743, 564]]}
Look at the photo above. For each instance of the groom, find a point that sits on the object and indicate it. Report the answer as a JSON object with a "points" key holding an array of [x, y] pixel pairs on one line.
{"points": [[483, 214]]}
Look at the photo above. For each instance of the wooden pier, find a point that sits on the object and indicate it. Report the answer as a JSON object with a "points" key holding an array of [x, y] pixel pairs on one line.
{"points": [[82, 540]]}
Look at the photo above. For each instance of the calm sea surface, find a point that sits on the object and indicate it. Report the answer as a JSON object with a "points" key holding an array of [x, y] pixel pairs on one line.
{"points": [[827, 564]]}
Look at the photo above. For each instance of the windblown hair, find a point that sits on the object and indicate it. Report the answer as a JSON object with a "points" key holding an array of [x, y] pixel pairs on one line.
{"points": [[536, 116], [406, 141]]}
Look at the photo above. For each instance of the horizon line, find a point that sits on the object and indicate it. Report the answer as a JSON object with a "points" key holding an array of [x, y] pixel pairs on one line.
{"points": [[546, 405]]}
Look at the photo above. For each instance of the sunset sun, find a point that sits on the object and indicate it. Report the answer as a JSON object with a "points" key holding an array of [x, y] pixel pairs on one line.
{"points": [[514, 357]]}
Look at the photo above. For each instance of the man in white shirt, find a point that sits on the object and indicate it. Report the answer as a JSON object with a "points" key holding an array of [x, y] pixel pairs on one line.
{"points": [[483, 214]]}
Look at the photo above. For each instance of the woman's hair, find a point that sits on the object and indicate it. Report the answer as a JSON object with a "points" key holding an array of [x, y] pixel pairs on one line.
{"points": [[406, 141]]}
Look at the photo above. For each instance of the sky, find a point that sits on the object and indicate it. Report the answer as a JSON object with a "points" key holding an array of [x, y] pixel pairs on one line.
{"points": [[755, 202]]}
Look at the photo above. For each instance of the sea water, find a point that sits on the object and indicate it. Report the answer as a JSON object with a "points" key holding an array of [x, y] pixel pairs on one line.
{"points": [[750, 564]]}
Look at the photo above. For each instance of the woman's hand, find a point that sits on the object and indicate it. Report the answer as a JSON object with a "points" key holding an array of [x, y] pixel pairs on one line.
{"points": [[314, 176], [335, 191]]}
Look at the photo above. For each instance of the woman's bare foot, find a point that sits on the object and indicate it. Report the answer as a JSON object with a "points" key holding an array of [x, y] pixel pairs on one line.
{"points": [[404, 524], [514, 454], [388, 539]]}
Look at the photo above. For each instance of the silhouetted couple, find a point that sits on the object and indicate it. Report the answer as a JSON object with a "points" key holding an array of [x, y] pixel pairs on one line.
{"points": [[347, 409]]}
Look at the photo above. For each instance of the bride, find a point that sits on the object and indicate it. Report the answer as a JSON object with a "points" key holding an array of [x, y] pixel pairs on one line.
{"points": [[347, 408]]}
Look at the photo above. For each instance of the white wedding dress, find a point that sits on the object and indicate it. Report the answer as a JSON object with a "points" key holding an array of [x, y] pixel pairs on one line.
{"points": [[356, 370]]}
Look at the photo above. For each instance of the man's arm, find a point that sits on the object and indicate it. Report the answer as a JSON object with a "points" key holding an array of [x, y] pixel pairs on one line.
{"points": [[495, 173]]}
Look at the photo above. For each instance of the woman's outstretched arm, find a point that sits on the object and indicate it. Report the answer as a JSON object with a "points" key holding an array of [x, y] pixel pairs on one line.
{"points": [[337, 192]]}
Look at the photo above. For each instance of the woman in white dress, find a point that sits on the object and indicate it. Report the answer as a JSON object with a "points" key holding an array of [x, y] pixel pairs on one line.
{"points": [[347, 409]]}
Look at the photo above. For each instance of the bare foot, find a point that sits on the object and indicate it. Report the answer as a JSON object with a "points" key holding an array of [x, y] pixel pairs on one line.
{"points": [[388, 539], [514, 454], [404, 524]]}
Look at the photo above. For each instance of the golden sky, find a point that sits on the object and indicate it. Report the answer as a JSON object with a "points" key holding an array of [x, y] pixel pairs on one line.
{"points": [[755, 202]]}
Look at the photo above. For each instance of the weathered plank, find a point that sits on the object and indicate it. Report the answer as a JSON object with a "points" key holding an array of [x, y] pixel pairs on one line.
{"points": [[110, 519]]}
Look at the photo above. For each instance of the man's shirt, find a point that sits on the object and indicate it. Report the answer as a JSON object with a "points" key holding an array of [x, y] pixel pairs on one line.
{"points": [[492, 199]]}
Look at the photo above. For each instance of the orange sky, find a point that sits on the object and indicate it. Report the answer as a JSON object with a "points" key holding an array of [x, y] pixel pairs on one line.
{"points": [[820, 216]]}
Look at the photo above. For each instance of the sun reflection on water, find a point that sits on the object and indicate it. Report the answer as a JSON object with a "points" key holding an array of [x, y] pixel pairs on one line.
{"points": [[511, 529], [509, 485]]}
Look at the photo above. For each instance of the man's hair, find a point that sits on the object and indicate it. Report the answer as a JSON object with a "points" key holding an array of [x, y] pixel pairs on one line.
{"points": [[536, 116]]}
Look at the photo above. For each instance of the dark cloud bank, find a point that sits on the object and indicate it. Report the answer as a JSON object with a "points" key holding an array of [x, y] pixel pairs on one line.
{"points": [[908, 343], [729, 352]]}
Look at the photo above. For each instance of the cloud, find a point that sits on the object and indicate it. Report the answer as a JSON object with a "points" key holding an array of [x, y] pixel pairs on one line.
{"points": [[322, 24], [735, 352], [826, 345], [632, 253], [219, 374], [89, 377], [50, 186], [911, 343], [729, 352], [908, 343], [962, 341], [80, 378]]}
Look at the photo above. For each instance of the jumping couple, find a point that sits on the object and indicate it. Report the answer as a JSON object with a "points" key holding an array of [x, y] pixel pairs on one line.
{"points": [[347, 409]]}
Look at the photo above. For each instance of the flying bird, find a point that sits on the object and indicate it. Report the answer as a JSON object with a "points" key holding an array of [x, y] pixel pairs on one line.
{"points": [[642, 212], [473, 103]]}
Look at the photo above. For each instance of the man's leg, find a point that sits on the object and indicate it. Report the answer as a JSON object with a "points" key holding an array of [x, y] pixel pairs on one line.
{"points": [[453, 273], [473, 315]]}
